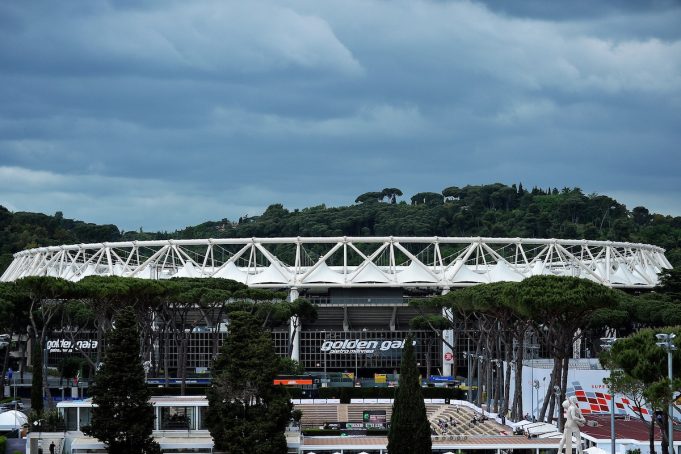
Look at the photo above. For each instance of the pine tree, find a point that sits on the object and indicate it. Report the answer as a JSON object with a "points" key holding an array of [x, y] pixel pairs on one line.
{"points": [[409, 427], [247, 413], [123, 418], [37, 403]]}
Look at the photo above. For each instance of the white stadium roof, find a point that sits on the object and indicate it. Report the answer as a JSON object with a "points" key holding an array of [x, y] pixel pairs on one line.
{"points": [[439, 262]]}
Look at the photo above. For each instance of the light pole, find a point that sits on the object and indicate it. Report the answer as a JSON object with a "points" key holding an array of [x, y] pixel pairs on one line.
{"points": [[556, 393], [468, 378], [607, 344], [532, 348], [666, 342], [480, 358], [324, 331]]}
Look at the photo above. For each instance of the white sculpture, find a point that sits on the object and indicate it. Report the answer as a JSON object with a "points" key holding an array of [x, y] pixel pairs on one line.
{"points": [[573, 421]]}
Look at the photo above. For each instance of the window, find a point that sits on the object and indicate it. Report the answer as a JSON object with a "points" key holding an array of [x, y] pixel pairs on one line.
{"points": [[203, 411], [85, 415], [71, 418], [177, 418]]}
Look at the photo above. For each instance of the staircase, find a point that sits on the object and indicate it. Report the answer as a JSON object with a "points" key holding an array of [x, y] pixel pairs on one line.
{"points": [[342, 412]]}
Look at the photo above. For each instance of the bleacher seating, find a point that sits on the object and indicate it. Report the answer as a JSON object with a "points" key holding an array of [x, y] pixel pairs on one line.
{"points": [[459, 418], [459, 421], [315, 415]]}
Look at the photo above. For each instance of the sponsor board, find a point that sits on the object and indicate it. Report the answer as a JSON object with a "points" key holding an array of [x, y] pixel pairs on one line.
{"points": [[359, 346], [374, 417], [441, 379], [65, 345]]}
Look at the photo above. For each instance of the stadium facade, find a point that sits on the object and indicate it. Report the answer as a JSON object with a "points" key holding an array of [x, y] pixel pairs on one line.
{"points": [[362, 285]]}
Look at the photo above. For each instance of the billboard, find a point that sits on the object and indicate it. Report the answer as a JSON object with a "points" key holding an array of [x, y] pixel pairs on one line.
{"points": [[374, 417]]}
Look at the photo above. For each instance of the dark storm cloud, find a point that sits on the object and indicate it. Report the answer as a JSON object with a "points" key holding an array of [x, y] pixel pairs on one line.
{"points": [[164, 114]]}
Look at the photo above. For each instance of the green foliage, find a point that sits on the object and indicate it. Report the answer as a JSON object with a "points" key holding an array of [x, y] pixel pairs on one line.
{"points": [[369, 197], [247, 413], [427, 198], [670, 284], [47, 421], [3, 443], [69, 366], [429, 321], [643, 365], [290, 366], [45, 287], [124, 417], [639, 356], [409, 427]]}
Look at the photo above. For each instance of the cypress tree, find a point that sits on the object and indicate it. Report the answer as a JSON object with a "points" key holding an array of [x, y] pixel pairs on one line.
{"points": [[409, 427], [37, 403], [247, 414], [124, 417]]}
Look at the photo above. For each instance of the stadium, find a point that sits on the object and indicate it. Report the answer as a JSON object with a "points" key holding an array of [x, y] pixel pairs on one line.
{"points": [[362, 286]]}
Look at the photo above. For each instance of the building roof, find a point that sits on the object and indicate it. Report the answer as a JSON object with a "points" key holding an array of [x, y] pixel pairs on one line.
{"points": [[634, 429]]}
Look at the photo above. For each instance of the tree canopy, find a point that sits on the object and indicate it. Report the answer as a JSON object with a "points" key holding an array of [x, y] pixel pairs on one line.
{"points": [[643, 371]]}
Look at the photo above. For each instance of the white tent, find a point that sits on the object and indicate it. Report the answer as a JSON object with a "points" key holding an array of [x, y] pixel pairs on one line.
{"points": [[231, 271], [466, 274], [539, 268], [370, 273], [89, 270], [595, 450], [323, 274], [623, 275], [502, 272], [188, 270], [415, 273], [12, 419], [271, 275]]}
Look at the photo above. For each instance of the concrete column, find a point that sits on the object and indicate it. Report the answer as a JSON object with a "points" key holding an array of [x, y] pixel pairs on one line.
{"points": [[448, 336], [295, 327]]}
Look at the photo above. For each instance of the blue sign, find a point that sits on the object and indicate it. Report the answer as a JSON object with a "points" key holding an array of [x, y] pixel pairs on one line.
{"points": [[10, 372], [441, 379]]}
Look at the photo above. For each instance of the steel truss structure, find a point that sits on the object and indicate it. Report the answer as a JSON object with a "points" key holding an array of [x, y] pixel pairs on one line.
{"points": [[301, 263]]}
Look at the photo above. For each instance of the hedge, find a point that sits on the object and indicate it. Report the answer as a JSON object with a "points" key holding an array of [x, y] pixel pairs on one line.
{"points": [[3, 442]]}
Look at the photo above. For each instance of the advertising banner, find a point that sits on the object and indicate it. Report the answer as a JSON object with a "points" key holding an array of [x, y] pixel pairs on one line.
{"points": [[441, 379], [374, 416], [361, 346]]}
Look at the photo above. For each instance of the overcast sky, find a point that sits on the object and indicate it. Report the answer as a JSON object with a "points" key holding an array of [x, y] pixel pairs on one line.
{"points": [[165, 114]]}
